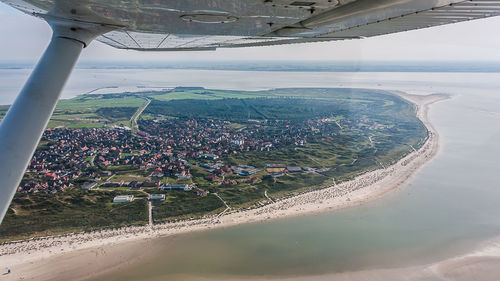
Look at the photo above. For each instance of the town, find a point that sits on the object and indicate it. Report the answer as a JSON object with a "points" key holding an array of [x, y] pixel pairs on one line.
{"points": [[185, 153], [165, 151]]}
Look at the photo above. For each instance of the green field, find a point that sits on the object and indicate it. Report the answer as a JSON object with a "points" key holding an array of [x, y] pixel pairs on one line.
{"points": [[69, 211], [184, 205], [93, 111]]}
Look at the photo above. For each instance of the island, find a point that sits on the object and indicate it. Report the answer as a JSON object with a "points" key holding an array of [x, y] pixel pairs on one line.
{"points": [[192, 158]]}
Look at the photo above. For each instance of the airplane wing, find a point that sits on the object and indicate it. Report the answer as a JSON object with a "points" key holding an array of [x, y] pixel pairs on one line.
{"points": [[170, 25]]}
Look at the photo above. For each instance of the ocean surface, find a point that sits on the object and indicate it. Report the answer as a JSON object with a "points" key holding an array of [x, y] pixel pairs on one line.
{"points": [[449, 207], [285, 66]]}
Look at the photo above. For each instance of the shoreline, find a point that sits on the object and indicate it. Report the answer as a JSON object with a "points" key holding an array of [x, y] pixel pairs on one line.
{"points": [[25, 257]]}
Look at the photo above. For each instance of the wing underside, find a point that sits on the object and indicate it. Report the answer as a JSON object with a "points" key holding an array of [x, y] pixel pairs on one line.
{"points": [[170, 25]]}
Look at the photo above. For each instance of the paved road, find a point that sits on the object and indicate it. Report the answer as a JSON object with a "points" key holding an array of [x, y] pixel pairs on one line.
{"points": [[133, 120], [150, 207], [227, 206], [150, 210], [268, 198]]}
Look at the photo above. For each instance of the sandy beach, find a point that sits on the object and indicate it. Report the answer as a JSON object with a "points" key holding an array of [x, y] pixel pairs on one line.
{"points": [[80, 256]]}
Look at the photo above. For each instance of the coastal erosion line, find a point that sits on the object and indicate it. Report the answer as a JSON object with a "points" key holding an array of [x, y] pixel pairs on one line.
{"points": [[360, 190]]}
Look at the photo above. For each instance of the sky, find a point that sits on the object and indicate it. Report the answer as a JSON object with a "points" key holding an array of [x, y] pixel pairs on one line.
{"points": [[25, 37]]}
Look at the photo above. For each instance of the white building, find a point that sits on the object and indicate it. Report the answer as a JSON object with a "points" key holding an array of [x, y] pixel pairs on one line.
{"points": [[157, 197], [123, 198], [89, 185], [239, 142], [209, 156], [183, 187]]}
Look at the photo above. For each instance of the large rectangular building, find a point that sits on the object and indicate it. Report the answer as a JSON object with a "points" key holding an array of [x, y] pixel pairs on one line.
{"points": [[123, 198], [89, 185], [294, 169], [157, 197], [183, 187]]}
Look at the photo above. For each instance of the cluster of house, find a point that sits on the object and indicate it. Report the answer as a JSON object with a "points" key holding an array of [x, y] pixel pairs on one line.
{"points": [[69, 156], [211, 139], [47, 182], [218, 170]]}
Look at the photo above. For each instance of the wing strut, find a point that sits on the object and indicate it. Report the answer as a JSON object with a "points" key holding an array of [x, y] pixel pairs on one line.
{"points": [[25, 122]]}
